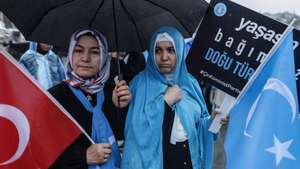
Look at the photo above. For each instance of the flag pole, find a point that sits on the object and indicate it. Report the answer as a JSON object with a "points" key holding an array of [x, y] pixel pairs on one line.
{"points": [[265, 61], [14, 62]]}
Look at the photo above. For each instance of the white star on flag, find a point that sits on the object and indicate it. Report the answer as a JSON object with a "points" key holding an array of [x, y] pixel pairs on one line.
{"points": [[281, 150]]}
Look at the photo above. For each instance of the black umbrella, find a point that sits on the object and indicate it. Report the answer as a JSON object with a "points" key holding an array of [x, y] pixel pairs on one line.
{"points": [[127, 24]]}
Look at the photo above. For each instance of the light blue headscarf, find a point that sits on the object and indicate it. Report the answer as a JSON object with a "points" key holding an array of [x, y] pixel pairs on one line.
{"points": [[143, 130]]}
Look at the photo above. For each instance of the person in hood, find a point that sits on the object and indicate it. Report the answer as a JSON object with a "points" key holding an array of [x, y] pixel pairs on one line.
{"points": [[43, 64], [167, 122]]}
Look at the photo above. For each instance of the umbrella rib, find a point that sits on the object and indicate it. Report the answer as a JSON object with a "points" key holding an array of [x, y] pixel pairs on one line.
{"points": [[131, 18], [115, 29], [45, 14], [172, 13], [96, 13]]}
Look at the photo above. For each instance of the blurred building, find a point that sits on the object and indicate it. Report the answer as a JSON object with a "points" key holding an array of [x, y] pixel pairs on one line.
{"points": [[285, 17], [11, 38]]}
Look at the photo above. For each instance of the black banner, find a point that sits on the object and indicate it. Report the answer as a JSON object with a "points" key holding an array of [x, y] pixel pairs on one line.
{"points": [[230, 44]]}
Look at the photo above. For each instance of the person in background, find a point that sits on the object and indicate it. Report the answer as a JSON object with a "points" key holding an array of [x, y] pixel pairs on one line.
{"points": [[84, 96], [43, 64], [167, 121], [131, 63]]}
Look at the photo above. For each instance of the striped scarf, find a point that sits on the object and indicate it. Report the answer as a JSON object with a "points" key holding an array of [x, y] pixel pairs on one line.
{"points": [[95, 84]]}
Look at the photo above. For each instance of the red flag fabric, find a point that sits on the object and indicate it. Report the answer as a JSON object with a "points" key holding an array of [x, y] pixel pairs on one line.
{"points": [[34, 130]]}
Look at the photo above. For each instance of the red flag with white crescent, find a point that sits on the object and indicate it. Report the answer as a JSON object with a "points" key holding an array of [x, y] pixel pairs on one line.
{"points": [[34, 128]]}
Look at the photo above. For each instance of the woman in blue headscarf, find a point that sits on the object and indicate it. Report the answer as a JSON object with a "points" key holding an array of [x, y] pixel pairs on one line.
{"points": [[167, 121], [83, 94]]}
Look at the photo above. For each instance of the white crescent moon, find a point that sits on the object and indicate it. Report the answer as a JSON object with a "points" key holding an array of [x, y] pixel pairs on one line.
{"points": [[22, 125], [279, 87]]}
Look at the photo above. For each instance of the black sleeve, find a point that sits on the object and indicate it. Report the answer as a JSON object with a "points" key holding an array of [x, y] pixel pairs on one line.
{"points": [[74, 156], [114, 115]]}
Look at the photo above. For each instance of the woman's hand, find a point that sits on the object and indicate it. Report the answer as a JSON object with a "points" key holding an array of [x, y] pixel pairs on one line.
{"points": [[224, 120], [121, 94], [98, 153], [172, 95]]}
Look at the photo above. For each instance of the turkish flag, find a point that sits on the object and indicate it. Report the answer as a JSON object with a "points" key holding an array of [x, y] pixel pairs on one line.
{"points": [[34, 130]]}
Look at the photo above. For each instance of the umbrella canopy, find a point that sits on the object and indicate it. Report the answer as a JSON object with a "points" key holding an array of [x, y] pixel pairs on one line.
{"points": [[127, 24]]}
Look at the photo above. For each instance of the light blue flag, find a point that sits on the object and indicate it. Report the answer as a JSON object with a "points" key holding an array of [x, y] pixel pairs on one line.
{"points": [[264, 129]]}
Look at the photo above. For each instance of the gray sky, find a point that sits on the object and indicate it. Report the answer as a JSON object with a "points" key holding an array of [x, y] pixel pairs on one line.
{"points": [[271, 6]]}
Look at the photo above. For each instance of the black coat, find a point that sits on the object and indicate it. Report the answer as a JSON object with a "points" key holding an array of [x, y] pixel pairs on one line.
{"points": [[174, 156], [74, 157]]}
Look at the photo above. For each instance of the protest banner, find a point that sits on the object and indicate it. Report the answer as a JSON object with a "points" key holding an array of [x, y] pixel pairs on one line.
{"points": [[230, 44]]}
